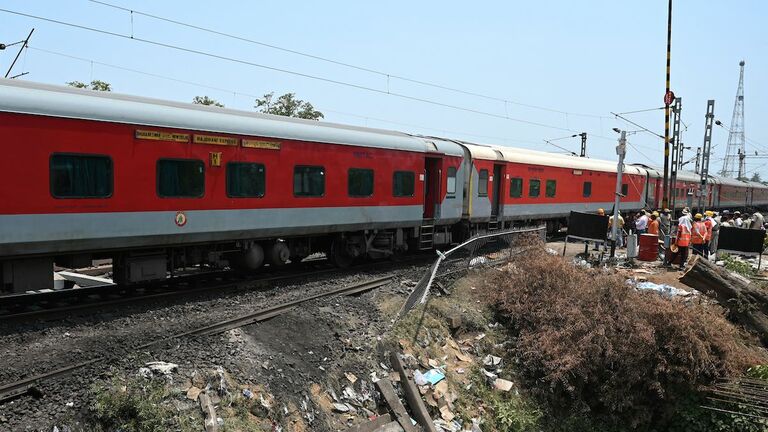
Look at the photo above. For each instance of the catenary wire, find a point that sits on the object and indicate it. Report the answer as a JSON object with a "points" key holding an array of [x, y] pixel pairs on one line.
{"points": [[287, 71], [241, 93], [344, 64]]}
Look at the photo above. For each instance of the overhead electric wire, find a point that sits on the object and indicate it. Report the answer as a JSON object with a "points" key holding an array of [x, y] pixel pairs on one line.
{"points": [[287, 71], [640, 126], [241, 93], [628, 112], [344, 64]]}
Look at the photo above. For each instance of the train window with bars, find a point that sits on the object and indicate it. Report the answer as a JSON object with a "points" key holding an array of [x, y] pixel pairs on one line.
{"points": [[625, 189], [516, 187], [450, 188], [534, 188], [360, 182], [308, 181], [81, 176], [587, 190], [403, 183], [245, 180], [551, 188], [482, 183], [180, 178]]}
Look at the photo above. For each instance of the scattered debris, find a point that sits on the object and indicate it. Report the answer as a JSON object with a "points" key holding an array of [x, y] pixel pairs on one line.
{"points": [[663, 289], [502, 384], [211, 421]]}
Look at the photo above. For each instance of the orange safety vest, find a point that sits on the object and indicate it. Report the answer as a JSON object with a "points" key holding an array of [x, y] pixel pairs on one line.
{"points": [[708, 223], [653, 227], [699, 233], [683, 235]]}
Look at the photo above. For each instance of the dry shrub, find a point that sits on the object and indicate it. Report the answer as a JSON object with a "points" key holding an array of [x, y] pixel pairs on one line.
{"points": [[590, 345]]}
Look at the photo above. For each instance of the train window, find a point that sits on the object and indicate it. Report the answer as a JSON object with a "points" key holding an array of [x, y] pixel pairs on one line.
{"points": [[180, 178], [625, 189], [360, 182], [551, 188], [516, 187], [403, 183], [245, 180], [81, 176], [587, 190], [451, 182], [308, 181], [534, 188], [482, 183]]}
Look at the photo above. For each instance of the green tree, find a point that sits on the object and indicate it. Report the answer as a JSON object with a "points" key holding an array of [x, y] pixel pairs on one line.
{"points": [[205, 100], [287, 105], [756, 177], [97, 85]]}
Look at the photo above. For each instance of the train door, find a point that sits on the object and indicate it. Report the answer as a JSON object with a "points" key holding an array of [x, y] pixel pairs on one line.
{"points": [[496, 189], [432, 179]]}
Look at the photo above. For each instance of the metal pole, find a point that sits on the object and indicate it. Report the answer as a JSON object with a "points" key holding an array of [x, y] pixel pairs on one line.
{"points": [[665, 185], [621, 150], [698, 160], [709, 118], [583, 136], [676, 155], [24, 45]]}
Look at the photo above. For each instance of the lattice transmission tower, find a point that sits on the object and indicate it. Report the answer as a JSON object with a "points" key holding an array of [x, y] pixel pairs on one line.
{"points": [[733, 165]]}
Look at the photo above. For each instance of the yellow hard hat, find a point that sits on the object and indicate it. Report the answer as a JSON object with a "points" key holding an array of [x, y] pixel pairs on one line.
{"points": [[709, 213], [697, 216], [655, 214]]}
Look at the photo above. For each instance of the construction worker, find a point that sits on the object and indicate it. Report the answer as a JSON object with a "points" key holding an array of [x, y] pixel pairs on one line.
{"points": [[698, 234], [710, 223], [641, 223], [683, 241], [665, 226], [653, 225], [620, 231]]}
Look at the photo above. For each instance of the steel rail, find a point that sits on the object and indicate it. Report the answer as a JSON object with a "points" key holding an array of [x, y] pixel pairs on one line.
{"points": [[21, 387]]}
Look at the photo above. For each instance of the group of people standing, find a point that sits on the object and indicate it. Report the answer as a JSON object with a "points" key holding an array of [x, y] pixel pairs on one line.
{"points": [[700, 232], [697, 232]]}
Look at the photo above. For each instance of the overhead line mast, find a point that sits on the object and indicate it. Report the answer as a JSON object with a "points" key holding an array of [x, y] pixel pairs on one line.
{"points": [[735, 152], [668, 99]]}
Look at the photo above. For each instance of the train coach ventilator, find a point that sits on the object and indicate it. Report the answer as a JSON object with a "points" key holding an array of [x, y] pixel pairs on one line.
{"points": [[29, 385]]}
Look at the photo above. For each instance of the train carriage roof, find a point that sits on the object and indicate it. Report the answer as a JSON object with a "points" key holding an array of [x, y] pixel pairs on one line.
{"points": [[25, 97]]}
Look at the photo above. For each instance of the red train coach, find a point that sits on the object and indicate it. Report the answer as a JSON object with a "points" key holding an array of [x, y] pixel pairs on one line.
{"points": [[158, 186]]}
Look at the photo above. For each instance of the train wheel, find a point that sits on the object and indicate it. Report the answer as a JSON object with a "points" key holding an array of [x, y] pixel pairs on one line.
{"points": [[338, 254]]}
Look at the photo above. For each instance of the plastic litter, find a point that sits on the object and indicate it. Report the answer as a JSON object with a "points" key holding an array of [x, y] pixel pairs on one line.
{"points": [[434, 376], [248, 394], [663, 289], [418, 378]]}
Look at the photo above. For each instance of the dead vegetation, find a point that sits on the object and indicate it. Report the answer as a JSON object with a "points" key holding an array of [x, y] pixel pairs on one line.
{"points": [[589, 345]]}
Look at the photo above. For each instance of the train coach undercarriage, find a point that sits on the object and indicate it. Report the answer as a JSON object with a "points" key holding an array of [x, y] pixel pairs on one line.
{"points": [[153, 264]]}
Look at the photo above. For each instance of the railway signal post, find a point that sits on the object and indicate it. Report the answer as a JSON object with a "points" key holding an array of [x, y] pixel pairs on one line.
{"points": [[705, 150], [621, 150]]}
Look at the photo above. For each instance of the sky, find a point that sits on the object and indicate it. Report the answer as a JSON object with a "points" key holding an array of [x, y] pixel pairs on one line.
{"points": [[526, 71]]}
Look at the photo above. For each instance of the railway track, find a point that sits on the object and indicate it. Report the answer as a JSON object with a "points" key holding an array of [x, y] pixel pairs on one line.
{"points": [[29, 385], [58, 304]]}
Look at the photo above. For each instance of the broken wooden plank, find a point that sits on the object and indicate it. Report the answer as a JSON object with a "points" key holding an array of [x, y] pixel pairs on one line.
{"points": [[210, 413], [373, 425], [412, 395], [389, 395]]}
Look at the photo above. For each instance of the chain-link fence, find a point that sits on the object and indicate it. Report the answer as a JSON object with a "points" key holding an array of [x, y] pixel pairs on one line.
{"points": [[478, 251]]}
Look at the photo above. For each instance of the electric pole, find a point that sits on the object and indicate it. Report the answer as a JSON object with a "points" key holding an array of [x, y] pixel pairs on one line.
{"points": [[705, 150], [698, 160], [583, 136], [621, 150], [668, 99], [677, 152]]}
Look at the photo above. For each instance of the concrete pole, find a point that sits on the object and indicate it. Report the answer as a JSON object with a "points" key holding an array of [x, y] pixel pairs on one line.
{"points": [[621, 150]]}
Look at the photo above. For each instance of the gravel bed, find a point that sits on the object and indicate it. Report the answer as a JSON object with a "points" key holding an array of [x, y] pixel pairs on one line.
{"points": [[285, 353]]}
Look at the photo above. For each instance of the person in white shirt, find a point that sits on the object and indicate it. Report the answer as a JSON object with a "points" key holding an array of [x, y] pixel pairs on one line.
{"points": [[641, 224], [737, 220]]}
